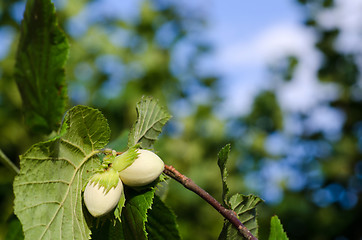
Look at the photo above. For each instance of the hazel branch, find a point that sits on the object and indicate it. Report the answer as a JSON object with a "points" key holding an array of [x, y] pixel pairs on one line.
{"points": [[226, 213]]}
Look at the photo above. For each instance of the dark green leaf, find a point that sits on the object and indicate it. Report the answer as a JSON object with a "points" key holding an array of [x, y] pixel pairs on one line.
{"points": [[161, 222], [245, 208], [151, 117], [107, 230], [222, 159], [48, 199], [134, 214], [276, 230], [15, 231], [39, 70]]}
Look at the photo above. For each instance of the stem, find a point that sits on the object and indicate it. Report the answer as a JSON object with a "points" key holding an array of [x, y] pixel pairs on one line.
{"points": [[7, 162], [227, 213]]}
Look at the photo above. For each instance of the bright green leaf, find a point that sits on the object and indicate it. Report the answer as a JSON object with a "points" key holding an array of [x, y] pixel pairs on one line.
{"points": [[39, 69], [121, 162], [48, 190], [222, 159], [161, 222], [245, 208], [151, 117], [276, 230], [134, 213], [118, 210]]}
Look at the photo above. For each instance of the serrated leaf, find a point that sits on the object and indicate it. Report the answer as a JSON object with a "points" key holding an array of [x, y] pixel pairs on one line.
{"points": [[134, 213], [126, 159], [161, 222], [151, 117], [118, 210], [48, 199], [245, 208], [221, 161], [39, 69], [276, 230]]}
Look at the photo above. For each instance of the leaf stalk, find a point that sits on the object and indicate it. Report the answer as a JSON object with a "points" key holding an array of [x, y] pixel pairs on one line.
{"points": [[8, 163]]}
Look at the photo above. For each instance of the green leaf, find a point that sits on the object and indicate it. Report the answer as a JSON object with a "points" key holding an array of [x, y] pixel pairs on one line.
{"points": [[151, 117], [107, 229], [245, 208], [222, 159], [48, 199], [118, 210], [161, 222], [124, 160], [134, 213], [15, 231], [276, 230], [39, 69]]}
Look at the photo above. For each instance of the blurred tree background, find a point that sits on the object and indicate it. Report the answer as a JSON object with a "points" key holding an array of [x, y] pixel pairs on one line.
{"points": [[311, 177]]}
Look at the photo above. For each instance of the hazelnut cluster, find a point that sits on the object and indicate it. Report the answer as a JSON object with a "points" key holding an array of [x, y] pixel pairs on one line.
{"points": [[105, 189]]}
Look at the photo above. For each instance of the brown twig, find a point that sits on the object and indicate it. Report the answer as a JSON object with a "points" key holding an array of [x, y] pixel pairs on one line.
{"points": [[227, 213]]}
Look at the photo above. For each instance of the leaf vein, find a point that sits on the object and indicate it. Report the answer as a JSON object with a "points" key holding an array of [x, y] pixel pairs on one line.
{"points": [[68, 190], [41, 182], [73, 145], [39, 204]]}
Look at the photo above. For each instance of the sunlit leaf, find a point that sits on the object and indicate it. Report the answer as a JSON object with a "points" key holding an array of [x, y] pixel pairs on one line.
{"points": [[151, 117], [39, 70], [245, 208], [276, 230], [222, 159], [48, 199]]}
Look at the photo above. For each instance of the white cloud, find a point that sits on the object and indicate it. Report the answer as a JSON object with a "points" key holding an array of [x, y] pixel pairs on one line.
{"points": [[346, 16], [273, 43], [244, 65]]}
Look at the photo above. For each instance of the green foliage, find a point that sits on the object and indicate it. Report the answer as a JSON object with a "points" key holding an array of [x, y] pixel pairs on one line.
{"points": [[39, 69], [118, 210], [108, 179], [15, 231], [243, 206], [200, 132], [266, 113], [124, 160], [276, 230], [134, 214], [222, 159], [150, 119], [57, 170], [161, 222], [48, 199]]}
